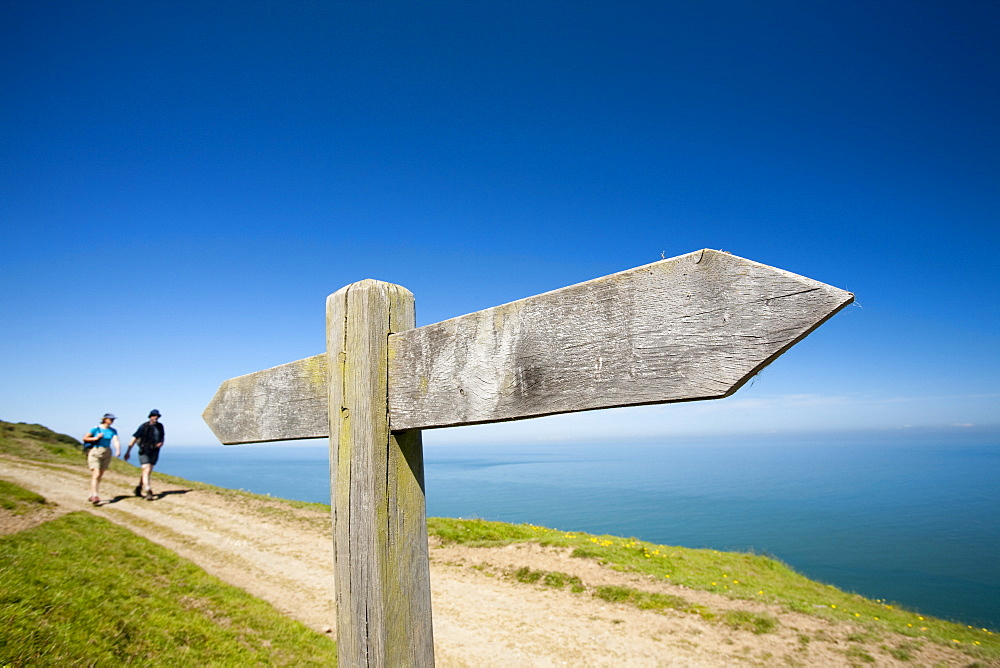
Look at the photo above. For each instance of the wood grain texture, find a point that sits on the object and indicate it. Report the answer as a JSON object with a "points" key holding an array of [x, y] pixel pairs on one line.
{"points": [[696, 326], [693, 327], [282, 403], [379, 518]]}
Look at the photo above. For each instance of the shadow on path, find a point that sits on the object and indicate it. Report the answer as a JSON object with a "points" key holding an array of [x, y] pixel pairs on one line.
{"points": [[170, 492], [122, 497]]}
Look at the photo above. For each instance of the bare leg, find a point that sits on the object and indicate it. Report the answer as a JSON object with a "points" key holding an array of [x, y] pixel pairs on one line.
{"points": [[95, 481], [147, 469]]}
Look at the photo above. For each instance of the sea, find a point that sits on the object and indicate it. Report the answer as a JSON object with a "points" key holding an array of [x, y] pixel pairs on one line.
{"points": [[914, 522]]}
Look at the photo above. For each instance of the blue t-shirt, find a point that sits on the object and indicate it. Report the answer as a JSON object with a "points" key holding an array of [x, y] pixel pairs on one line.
{"points": [[106, 433]]}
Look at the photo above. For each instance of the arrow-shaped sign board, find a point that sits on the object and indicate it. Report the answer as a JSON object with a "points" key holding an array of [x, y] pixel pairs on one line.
{"points": [[692, 327], [696, 326]]}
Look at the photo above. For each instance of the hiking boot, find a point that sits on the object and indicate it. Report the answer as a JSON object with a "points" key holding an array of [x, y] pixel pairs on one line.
{"points": [[94, 500], [138, 489], [148, 495]]}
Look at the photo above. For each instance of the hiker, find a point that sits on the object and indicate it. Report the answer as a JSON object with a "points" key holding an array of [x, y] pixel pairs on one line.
{"points": [[97, 444], [150, 437]]}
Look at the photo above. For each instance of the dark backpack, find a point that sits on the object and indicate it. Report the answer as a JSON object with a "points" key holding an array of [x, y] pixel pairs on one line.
{"points": [[149, 436], [87, 445]]}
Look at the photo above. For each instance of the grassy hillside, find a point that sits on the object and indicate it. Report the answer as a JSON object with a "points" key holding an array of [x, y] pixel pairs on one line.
{"points": [[79, 590], [40, 444], [33, 441], [734, 575], [19, 501]]}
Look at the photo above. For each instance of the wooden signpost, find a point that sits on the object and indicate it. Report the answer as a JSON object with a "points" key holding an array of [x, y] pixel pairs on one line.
{"points": [[697, 326]]}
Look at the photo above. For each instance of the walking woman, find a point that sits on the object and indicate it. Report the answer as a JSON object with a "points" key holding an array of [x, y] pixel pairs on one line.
{"points": [[98, 443]]}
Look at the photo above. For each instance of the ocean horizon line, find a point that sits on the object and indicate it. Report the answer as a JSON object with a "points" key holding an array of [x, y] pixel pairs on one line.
{"points": [[965, 434]]}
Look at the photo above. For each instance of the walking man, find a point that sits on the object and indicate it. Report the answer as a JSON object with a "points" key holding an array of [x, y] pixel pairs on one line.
{"points": [[98, 443], [150, 437]]}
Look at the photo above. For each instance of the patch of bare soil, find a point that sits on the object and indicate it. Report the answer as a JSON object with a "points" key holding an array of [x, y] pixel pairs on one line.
{"points": [[482, 615], [12, 522]]}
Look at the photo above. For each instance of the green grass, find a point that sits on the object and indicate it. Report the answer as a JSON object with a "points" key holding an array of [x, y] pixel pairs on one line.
{"points": [[750, 621], [640, 599], [757, 623], [40, 444], [553, 579], [33, 441], [733, 574], [82, 591], [18, 500], [904, 652], [859, 654], [645, 600]]}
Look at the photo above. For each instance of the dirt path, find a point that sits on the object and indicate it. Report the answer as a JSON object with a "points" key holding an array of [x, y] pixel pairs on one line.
{"points": [[481, 617]]}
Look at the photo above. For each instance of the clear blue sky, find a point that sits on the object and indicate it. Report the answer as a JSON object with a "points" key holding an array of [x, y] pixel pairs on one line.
{"points": [[183, 183]]}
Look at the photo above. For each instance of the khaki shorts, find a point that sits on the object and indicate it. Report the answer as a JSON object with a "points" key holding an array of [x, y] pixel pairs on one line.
{"points": [[99, 458]]}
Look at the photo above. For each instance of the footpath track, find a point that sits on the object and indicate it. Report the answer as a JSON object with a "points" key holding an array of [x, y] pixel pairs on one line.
{"points": [[284, 555]]}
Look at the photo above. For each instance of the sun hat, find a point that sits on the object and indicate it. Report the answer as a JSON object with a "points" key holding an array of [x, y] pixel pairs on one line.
{"points": [[154, 412], [108, 416]]}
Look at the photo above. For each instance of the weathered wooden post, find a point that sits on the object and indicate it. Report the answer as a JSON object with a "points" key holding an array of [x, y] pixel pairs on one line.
{"points": [[693, 327], [381, 569]]}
